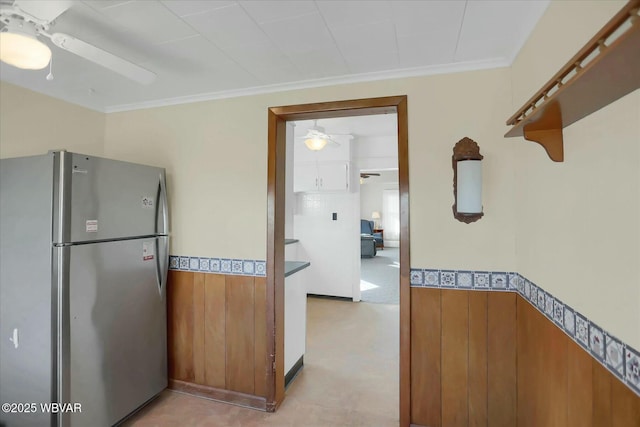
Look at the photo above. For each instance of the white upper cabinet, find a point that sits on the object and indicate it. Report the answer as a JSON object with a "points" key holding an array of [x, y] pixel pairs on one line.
{"points": [[324, 170], [333, 176], [320, 176], [305, 177]]}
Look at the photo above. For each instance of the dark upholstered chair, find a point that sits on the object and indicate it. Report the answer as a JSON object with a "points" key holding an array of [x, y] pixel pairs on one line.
{"points": [[367, 246], [366, 227]]}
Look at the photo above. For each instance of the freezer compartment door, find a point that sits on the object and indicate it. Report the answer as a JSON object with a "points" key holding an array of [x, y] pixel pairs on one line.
{"points": [[106, 199], [117, 334]]}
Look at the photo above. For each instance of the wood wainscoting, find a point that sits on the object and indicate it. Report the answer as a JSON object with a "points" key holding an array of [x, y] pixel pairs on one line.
{"points": [[217, 336], [463, 358], [560, 384], [491, 359]]}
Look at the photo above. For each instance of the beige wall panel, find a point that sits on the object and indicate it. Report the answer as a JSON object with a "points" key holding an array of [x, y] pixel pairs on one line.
{"points": [[216, 152], [32, 124], [578, 227]]}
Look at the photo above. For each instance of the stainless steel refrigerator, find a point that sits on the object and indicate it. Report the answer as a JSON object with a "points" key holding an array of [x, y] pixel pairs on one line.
{"points": [[83, 267]]}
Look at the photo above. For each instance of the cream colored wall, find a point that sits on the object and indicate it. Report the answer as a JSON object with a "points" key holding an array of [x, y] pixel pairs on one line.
{"points": [[216, 171], [564, 29], [571, 227], [444, 110], [32, 123], [578, 227], [216, 152]]}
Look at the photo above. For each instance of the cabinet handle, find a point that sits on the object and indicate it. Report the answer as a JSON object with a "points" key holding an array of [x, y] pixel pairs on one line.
{"points": [[346, 175], [320, 182], [316, 182]]}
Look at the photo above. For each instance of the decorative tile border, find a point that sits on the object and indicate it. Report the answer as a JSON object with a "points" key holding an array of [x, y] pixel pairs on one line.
{"points": [[463, 279], [619, 358], [240, 267]]}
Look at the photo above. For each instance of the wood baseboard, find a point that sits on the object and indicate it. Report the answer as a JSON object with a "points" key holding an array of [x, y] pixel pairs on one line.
{"points": [[220, 395], [293, 371], [333, 297]]}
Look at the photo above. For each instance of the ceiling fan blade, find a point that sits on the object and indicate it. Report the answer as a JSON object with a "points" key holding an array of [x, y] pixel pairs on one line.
{"points": [[46, 10], [332, 140], [104, 58]]}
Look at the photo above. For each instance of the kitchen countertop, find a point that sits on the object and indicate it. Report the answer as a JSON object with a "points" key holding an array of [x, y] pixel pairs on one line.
{"points": [[291, 267]]}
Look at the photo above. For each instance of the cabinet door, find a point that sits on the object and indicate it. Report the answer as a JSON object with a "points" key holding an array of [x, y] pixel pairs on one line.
{"points": [[305, 177], [333, 176]]}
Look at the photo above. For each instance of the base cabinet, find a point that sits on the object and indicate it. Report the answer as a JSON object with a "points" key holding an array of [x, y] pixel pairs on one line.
{"points": [[295, 319]]}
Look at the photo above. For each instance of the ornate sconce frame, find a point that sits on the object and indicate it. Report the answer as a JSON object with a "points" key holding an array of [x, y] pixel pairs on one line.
{"points": [[465, 149]]}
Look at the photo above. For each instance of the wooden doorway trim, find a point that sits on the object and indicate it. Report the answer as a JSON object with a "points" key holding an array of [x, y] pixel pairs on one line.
{"points": [[277, 118]]}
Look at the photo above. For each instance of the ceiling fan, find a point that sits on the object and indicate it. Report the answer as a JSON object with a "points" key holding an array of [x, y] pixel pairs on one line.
{"points": [[366, 175], [316, 138], [26, 20]]}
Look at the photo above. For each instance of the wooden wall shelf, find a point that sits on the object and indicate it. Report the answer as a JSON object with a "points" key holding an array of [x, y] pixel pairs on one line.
{"points": [[604, 70]]}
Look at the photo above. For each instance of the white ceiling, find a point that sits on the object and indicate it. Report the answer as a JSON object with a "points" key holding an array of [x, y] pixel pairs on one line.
{"points": [[358, 127], [214, 49]]}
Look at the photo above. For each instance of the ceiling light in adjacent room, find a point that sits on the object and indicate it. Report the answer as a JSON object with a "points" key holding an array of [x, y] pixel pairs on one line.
{"points": [[315, 143]]}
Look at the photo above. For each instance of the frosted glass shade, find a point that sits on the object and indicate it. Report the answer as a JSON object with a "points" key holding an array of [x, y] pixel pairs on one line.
{"points": [[23, 51], [315, 144], [469, 187]]}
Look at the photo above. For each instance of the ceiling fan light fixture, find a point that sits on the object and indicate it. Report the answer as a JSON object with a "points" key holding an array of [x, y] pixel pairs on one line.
{"points": [[20, 47], [315, 143]]}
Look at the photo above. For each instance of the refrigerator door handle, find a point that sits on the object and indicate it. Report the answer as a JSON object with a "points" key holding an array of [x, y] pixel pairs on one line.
{"points": [[162, 242], [163, 204], [14, 338], [162, 262]]}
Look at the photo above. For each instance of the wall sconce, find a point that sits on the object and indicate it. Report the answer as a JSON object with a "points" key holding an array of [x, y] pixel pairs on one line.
{"points": [[375, 216], [467, 181]]}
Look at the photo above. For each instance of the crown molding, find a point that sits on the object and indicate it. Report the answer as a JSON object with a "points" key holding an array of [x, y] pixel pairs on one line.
{"points": [[308, 84]]}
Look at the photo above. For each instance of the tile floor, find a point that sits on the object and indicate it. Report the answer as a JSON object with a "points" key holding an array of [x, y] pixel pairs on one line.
{"points": [[350, 377]]}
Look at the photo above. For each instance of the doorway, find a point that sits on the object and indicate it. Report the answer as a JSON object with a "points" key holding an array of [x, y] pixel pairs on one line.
{"points": [[277, 119], [380, 225]]}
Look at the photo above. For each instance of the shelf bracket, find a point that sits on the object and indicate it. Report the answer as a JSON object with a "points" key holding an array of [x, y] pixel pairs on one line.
{"points": [[547, 131]]}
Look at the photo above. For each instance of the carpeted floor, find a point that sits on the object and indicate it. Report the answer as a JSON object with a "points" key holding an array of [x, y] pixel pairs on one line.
{"points": [[380, 277]]}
